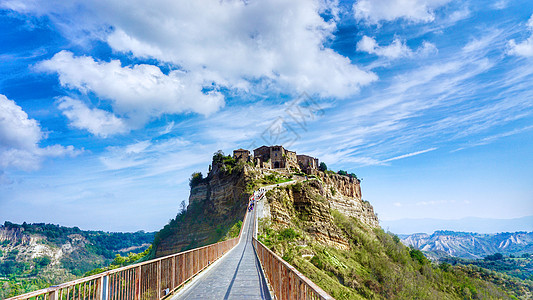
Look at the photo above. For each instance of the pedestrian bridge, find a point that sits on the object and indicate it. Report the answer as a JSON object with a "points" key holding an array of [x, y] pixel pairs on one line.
{"points": [[240, 268]]}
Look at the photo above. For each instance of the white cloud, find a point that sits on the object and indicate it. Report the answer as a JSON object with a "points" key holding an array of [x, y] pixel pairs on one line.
{"points": [[524, 48], [374, 11], [500, 4], [138, 93], [20, 137], [16, 129], [396, 49], [96, 121], [168, 128], [231, 43]]}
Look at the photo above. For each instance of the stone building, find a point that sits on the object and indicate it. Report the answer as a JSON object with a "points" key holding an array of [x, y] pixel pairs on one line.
{"points": [[277, 157], [241, 154], [307, 163]]}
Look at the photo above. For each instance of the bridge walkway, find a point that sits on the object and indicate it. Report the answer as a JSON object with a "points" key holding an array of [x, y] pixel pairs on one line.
{"points": [[238, 275]]}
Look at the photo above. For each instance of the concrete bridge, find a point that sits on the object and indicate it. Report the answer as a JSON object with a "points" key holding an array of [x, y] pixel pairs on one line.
{"points": [[240, 268]]}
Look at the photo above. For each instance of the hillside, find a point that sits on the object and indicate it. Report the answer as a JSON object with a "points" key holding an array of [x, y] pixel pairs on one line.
{"points": [[322, 226], [471, 245], [318, 222], [352, 258], [34, 256]]}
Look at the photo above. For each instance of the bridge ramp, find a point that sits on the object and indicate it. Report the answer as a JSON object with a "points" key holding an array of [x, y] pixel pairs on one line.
{"points": [[238, 275]]}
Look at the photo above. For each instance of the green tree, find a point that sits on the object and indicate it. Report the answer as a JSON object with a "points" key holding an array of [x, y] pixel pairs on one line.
{"points": [[196, 179], [42, 262], [323, 167], [342, 172]]}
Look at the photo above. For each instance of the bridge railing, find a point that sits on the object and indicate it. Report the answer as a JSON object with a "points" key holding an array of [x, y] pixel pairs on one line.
{"points": [[285, 281], [150, 280]]}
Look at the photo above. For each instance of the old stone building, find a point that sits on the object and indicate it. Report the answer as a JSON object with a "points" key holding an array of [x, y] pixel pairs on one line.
{"points": [[277, 157], [307, 163], [241, 154]]}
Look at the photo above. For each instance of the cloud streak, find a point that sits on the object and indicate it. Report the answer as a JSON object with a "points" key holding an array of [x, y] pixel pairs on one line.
{"points": [[409, 155]]}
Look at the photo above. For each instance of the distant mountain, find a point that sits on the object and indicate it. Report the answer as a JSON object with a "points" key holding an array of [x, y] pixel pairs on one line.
{"points": [[479, 225], [470, 245]]}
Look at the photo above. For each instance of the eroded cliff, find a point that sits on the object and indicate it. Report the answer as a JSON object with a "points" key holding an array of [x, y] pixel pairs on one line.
{"points": [[215, 204], [311, 202]]}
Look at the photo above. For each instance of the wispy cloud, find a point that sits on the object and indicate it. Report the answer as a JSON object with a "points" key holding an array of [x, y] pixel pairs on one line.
{"points": [[410, 154], [495, 137]]}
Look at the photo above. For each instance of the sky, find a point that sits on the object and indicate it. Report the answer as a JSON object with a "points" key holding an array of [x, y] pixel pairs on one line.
{"points": [[107, 107]]}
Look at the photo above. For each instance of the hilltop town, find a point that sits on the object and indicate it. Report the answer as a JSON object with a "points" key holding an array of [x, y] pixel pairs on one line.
{"points": [[278, 158]]}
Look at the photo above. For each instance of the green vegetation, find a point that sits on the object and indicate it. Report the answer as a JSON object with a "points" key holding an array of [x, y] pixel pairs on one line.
{"points": [[91, 249], [234, 231], [196, 179], [227, 163], [494, 257], [122, 261], [378, 266], [519, 267], [323, 167], [271, 179]]}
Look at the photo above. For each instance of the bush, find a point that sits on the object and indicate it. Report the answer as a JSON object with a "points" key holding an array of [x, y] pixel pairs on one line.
{"points": [[494, 257], [41, 262], [418, 256], [288, 234], [323, 167], [196, 179]]}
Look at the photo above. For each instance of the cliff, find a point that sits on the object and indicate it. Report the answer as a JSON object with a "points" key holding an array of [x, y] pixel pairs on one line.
{"points": [[310, 204], [215, 204]]}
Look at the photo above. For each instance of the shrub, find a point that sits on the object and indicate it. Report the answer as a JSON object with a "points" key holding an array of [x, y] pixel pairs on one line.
{"points": [[418, 256], [288, 234], [323, 167], [494, 257], [196, 179], [42, 262]]}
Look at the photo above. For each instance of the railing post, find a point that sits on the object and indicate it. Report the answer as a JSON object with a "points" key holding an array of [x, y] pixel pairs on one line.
{"points": [[159, 278], [138, 283], [102, 288], [173, 270], [53, 295]]}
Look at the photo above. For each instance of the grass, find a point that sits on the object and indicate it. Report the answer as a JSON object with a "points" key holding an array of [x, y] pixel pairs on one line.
{"points": [[378, 266]]}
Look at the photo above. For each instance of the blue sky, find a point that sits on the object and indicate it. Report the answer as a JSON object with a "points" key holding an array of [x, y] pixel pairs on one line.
{"points": [[107, 107]]}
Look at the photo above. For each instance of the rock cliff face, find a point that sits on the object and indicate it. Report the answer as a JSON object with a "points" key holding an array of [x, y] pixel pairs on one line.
{"points": [[344, 195], [311, 202], [214, 206]]}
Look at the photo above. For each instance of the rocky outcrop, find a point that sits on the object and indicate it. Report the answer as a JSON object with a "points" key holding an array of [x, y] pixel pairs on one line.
{"points": [[305, 203], [14, 235], [345, 185], [344, 195], [311, 203], [214, 206]]}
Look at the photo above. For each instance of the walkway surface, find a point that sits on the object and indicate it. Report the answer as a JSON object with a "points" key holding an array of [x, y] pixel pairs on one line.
{"points": [[237, 275]]}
